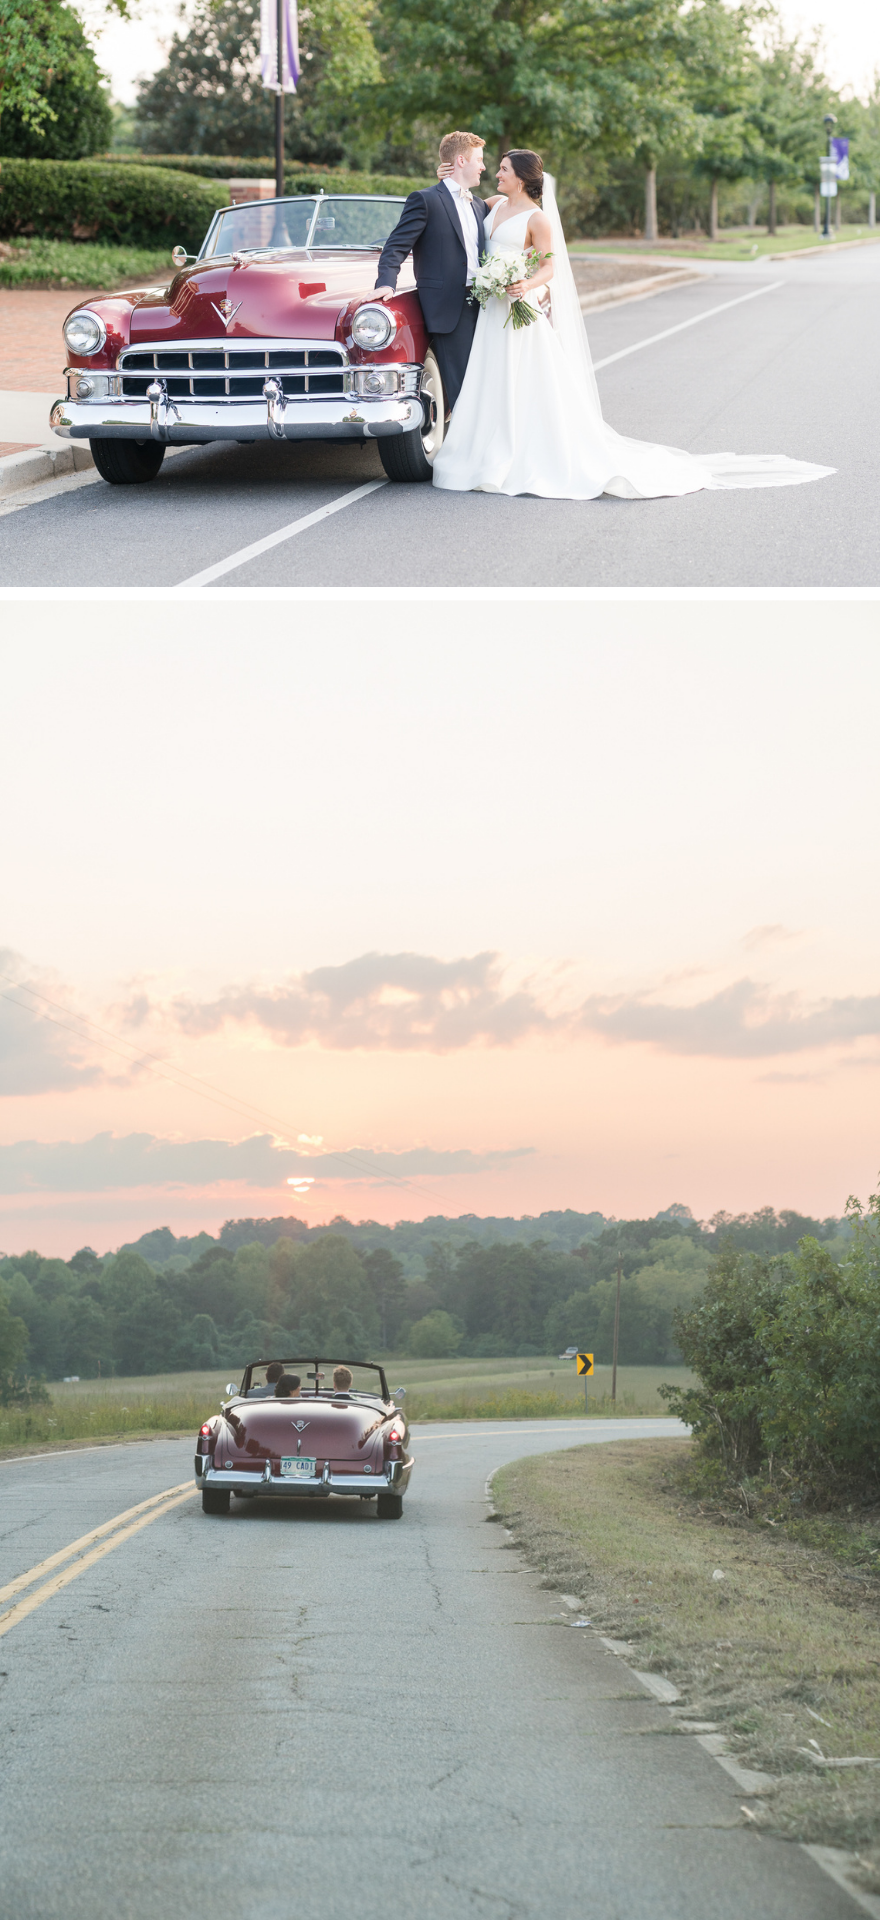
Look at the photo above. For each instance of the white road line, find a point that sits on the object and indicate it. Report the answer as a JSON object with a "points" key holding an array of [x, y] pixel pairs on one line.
{"points": [[208, 574], [693, 322]]}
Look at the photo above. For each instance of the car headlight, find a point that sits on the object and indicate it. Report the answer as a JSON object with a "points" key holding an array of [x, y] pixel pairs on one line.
{"points": [[84, 333], [373, 328]]}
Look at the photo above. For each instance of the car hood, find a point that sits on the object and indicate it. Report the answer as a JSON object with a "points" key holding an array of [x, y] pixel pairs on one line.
{"points": [[284, 296]]}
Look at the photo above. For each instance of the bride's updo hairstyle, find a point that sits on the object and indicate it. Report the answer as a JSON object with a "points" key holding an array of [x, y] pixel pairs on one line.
{"points": [[528, 168]]}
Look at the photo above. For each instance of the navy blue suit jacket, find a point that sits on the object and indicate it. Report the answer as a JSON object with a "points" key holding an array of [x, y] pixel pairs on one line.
{"points": [[429, 228]]}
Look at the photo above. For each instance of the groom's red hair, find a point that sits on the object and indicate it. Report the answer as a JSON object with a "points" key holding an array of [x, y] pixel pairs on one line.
{"points": [[453, 144]]}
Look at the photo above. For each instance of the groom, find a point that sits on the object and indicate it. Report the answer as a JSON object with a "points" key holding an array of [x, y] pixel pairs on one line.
{"points": [[443, 229]]}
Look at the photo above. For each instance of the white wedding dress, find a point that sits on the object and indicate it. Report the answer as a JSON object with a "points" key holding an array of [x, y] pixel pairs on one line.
{"points": [[529, 420]]}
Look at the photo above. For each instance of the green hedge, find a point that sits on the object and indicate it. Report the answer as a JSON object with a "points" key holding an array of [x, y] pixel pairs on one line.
{"points": [[299, 178], [99, 200], [140, 203]]}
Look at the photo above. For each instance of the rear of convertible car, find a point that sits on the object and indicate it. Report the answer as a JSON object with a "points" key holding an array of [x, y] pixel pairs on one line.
{"points": [[256, 342], [304, 1449]]}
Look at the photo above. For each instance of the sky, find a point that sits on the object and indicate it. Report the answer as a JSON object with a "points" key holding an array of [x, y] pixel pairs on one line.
{"points": [[300, 916], [129, 50]]}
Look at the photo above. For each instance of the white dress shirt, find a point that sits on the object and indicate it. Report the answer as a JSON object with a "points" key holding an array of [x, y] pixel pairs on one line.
{"points": [[468, 224]]}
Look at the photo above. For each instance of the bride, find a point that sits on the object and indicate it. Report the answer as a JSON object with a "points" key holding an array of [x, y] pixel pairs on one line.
{"points": [[528, 418]]}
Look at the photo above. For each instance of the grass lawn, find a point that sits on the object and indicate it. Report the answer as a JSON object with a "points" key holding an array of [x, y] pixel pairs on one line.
{"points": [[779, 1653], [436, 1390], [738, 243], [71, 263]]}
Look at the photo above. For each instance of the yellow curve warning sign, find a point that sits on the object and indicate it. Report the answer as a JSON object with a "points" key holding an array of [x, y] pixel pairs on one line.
{"points": [[584, 1362]]}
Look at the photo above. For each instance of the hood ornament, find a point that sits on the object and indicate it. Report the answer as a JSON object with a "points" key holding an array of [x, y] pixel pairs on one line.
{"points": [[225, 310], [299, 1424]]}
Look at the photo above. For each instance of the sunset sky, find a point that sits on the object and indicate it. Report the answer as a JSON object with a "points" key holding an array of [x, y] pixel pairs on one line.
{"points": [[571, 908]]}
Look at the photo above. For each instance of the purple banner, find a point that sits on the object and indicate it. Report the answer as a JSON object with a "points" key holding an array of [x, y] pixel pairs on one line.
{"points": [[289, 45]]}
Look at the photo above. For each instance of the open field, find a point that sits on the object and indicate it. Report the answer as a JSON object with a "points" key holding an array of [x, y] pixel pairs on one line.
{"points": [[735, 243], [436, 1390], [779, 1653]]}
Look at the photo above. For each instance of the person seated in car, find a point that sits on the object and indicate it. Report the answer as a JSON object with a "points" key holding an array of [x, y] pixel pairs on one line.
{"points": [[273, 1374], [342, 1380], [288, 1387]]}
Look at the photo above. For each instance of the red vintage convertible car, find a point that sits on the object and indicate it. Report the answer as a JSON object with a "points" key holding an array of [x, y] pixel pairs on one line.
{"points": [[269, 334], [347, 1438]]}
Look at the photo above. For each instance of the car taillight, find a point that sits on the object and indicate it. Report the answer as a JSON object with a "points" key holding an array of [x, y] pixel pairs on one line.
{"points": [[393, 1438], [205, 1429]]}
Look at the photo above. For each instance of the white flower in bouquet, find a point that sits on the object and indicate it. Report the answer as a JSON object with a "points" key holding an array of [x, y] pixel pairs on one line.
{"points": [[499, 271]]}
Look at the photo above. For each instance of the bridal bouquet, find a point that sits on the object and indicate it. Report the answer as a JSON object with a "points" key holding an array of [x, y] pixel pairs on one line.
{"points": [[497, 272]]}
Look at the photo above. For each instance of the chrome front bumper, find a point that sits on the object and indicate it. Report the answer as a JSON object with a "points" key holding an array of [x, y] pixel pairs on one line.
{"points": [[198, 422], [395, 1479]]}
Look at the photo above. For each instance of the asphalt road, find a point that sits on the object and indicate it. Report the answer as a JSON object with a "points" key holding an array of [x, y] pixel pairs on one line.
{"points": [[300, 1713], [793, 371]]}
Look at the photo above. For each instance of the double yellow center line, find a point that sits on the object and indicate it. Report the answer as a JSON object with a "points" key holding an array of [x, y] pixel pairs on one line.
{"points": [[82, 1553]]}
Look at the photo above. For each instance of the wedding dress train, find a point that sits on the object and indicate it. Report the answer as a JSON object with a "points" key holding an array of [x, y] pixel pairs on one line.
{"points": [[529, 420]]}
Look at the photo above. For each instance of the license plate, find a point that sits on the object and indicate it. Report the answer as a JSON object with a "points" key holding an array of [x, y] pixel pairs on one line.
{"points": [[299, 1468]]}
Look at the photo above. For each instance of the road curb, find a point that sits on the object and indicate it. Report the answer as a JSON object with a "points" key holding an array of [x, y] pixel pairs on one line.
{"points": [[636, 289], [36, 464]]}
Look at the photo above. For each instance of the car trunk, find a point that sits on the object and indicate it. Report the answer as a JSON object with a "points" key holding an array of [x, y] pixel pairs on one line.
{"points": [[348, 1438]]}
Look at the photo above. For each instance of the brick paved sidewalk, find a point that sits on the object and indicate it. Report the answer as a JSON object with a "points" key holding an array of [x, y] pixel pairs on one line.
{"points": [[32, 353]]}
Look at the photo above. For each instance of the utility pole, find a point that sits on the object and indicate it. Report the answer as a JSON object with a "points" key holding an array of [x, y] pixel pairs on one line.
{"points": [[279, 100], [615, 1334]]}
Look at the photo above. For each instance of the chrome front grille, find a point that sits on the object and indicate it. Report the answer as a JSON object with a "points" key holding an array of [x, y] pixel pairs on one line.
{"points": [[221, 370]]}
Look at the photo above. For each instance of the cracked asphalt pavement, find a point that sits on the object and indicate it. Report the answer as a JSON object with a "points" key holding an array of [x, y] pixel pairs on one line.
{"points": [[299, 1710]]}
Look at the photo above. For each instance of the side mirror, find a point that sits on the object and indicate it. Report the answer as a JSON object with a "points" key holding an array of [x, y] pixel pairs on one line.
{"points": [[231, 1386], [399, 1393], [180, 256]]}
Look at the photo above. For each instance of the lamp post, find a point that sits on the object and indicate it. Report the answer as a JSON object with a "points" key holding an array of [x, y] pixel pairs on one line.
{"points": [[829, 122], [279, 100]]}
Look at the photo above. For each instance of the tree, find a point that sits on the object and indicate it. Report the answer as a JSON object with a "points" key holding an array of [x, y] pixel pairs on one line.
{"points": [[435, 1337], [786, 119], [13, 1342], [32, 43], [385, 1279], [582, 72], [723, 83], [208, 98], [66, 113]]}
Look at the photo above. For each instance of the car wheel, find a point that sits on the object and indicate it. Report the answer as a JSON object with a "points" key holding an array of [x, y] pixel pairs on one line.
{"points": [[215, 1500], [411, 456], [126, 463], [390, 1506]]}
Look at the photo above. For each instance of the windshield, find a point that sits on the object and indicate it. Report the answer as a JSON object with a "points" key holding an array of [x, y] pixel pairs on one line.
{"points": [[349, 221], [353, 1380]]}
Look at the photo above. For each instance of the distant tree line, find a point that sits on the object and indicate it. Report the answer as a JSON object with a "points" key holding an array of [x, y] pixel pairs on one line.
{"points": [[654, 114], [466, 1286]]}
